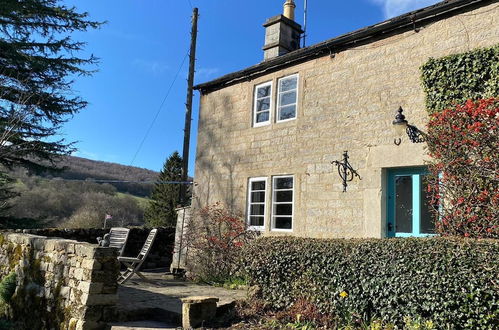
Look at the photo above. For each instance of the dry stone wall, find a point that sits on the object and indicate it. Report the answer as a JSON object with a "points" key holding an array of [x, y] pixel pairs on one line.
{"points": [[160, 255], [61, 284]]}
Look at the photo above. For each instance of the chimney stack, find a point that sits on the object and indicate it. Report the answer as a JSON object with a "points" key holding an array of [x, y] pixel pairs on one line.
{"points": [[282, 33]]}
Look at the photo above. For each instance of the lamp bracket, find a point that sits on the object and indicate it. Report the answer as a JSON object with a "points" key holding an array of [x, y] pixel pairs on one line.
{"points": [[414, 134], [345, 170]]}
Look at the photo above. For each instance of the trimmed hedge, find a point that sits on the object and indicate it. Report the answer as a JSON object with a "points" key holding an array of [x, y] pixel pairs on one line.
{"points": [[452, 282], [453, 79]]}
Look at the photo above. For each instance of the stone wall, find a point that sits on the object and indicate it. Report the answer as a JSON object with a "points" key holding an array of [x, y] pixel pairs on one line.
{"points": [[160, 255], [346, 101], [61, 284]]}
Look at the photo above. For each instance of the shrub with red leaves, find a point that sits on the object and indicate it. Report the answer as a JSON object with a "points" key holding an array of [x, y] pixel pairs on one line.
{"points": [[464, 145], [215, 238]]}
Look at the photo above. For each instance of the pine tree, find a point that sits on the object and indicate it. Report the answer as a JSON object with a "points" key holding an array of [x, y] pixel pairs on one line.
{"points": [[37, 68], [165, 196]]}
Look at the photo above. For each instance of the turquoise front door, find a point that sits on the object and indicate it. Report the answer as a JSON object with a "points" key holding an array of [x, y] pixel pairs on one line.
{"points": [[408, 207]]}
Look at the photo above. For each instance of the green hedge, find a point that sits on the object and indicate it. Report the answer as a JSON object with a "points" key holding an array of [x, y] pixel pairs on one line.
{"points": [[454, 79], [448, 281]]}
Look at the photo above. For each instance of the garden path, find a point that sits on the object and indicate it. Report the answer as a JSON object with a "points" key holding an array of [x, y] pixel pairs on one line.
{"points": [[158, 300]]}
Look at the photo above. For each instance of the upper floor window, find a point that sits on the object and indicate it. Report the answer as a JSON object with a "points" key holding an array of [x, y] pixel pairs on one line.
{"points": [[263, 102], [287, 98]]}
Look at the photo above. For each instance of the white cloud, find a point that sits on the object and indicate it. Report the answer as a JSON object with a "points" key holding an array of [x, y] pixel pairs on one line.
{"points": [[206, 73], [154, 67], [392, 8]]}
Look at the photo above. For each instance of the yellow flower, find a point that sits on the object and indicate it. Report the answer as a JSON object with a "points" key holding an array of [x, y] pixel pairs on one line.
{"points": [[343, 294]]}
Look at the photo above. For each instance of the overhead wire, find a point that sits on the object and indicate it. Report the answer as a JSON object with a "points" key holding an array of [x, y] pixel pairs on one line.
{"points": [[123, 181], [159, 110]]}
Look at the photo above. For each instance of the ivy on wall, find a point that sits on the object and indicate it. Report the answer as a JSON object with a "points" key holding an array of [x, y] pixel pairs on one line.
{"points": [[456, 78]]}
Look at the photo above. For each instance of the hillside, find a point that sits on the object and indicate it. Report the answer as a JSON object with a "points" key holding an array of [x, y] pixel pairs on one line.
{"points": [[77, 168], [74, 196]]}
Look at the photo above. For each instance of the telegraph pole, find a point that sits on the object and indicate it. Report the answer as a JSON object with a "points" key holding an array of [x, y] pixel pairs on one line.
{"points": [[188, 107]]}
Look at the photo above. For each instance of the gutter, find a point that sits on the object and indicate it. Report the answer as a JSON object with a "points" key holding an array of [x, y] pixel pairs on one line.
{"points": [[398, 24]]}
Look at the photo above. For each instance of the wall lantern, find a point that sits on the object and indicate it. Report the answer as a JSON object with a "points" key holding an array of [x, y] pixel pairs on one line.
{"points": [[400, 125]]}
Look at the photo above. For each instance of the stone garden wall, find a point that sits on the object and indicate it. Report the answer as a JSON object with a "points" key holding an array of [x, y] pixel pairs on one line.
{"points": [[61, 283], [160, 255]]}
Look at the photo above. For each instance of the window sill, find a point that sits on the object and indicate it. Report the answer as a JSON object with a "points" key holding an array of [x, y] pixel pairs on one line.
{"points": [[285, 120], [267, 123], [281, 230], [256, 228]]}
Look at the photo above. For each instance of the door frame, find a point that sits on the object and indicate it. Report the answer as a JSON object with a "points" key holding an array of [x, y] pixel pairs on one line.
{"points": [[415, 173]]}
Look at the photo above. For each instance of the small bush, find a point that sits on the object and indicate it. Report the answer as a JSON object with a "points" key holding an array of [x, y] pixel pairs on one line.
{"points": [[439, 281], [215, 237]]}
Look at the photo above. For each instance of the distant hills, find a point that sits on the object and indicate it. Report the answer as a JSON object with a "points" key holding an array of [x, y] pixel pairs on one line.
{"points": [[79, 195], [77, 168]]}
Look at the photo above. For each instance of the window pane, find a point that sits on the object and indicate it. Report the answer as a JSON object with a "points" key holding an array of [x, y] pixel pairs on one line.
{"points": [[262, 117], [256, 221], [257, 209], [284, 196], [287, 98], [284, 209], [263, 91], [258, 197], [284, 183], [427, 224], [263, 104], [282, 222], [287, 112], [258, 185], [287, 84], [403, 204]]}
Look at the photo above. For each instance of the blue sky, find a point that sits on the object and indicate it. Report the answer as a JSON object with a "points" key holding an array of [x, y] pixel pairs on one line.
{"points": [[143, 45]]}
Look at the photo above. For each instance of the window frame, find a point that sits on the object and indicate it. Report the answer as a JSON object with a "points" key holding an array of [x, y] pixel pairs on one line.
{"points": [[273, 203], [278, 101], [255, 103], [249, 203]]}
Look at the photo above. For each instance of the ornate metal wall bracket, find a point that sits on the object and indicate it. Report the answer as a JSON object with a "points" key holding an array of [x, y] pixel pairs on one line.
{"points": [[345, 170], [415, 135]]}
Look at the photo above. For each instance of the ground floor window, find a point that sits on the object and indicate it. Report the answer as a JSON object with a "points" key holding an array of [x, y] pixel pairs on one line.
{"points": [[282, 202], [257, 188]]}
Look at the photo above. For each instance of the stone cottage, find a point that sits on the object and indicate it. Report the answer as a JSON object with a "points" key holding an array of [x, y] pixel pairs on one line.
{"points": [[269, 134]]}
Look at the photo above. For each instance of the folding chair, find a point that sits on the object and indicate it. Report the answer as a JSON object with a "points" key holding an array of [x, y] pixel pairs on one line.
{"points": [[118, 237], [133, 264]]}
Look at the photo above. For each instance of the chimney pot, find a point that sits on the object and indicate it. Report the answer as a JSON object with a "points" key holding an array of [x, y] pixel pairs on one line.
{"points": [[289, 9]]}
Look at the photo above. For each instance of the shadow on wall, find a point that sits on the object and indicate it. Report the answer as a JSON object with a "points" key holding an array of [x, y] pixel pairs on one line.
{"points": [[215, 165]]}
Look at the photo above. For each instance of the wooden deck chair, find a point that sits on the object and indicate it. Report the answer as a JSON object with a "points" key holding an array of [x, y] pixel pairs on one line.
{"points": [[118, 238], [133, 264]]}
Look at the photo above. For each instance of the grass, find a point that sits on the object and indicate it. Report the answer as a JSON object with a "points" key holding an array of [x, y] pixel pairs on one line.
{"points": [[142, 201]]}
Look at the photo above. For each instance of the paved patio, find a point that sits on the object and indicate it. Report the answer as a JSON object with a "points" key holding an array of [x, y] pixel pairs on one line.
{"points": [[157, 301]]}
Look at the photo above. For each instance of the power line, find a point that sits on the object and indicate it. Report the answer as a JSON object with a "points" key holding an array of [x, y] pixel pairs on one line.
{"points": [[159, 110], [190, 3]]}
